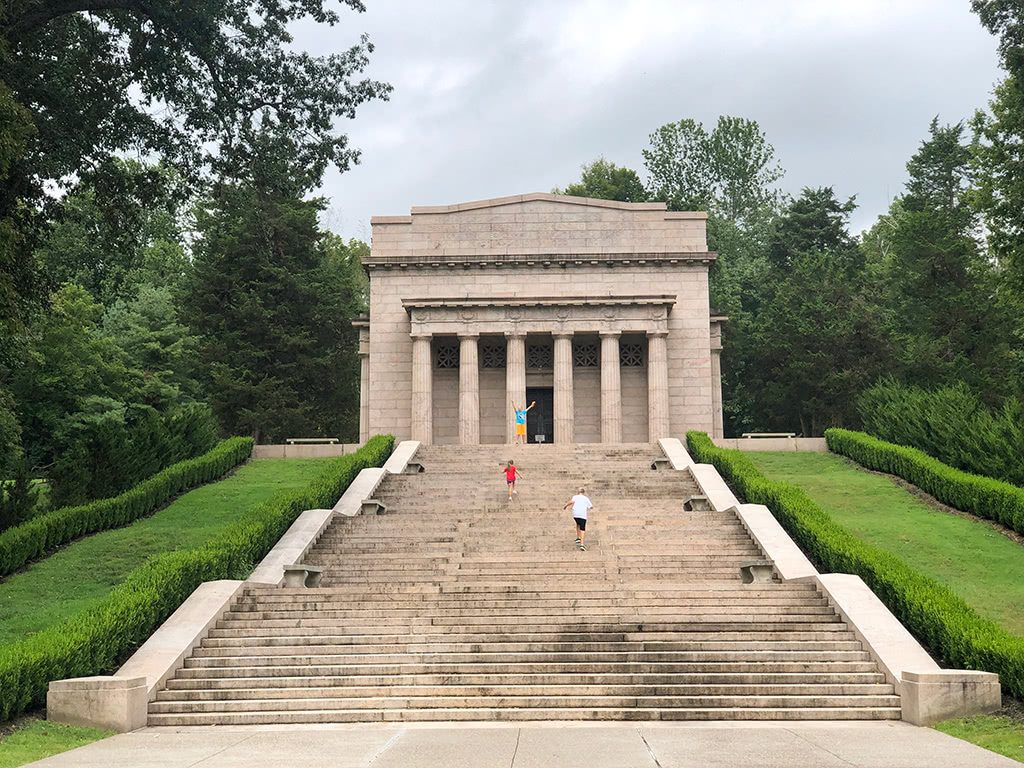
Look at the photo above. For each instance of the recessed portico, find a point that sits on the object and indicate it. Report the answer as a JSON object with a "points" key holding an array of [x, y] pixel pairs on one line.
{"points": [[543, 339]]}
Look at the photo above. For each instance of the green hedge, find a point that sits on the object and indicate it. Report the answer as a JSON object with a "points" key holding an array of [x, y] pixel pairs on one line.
{"points": [[981, 496], [950, 423], [41, 535], [98, 640], [940, 619]]}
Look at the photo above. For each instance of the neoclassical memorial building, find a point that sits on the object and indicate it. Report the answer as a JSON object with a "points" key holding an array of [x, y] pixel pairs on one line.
{"points": [[597, 310]]}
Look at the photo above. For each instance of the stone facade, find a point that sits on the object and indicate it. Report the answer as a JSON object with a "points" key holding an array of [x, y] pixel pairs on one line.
{"points": [[598, 309]]}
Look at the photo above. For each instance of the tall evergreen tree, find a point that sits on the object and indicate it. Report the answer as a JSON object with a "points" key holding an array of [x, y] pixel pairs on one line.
{"points": [[941, 289], [261, 296], [815, 341], [999, 167]]}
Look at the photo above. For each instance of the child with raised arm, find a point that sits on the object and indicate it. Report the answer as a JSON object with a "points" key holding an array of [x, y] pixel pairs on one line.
{"points": [[520, 417]]}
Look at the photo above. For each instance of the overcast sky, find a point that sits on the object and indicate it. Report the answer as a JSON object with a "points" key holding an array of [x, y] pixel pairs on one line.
{"points": [[501, 97]]}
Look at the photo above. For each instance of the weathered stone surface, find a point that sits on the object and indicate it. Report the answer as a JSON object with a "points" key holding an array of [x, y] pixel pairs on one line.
{"points": [[112, 703], [525, 269], [930, 697]]}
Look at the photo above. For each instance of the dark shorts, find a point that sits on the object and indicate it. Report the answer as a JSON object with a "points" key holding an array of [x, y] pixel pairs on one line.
{"points": [[509, 482], [581, 523]]}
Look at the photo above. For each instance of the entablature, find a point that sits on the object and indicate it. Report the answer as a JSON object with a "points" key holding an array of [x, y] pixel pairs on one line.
{"points": [[556, 315], [534, 260]]}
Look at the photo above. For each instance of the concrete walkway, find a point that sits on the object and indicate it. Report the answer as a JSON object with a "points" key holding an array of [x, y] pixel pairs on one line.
{"points": [[565, 745]]}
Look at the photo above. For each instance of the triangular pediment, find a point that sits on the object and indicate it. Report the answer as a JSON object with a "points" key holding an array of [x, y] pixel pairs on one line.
{"points": [[543, 198]]}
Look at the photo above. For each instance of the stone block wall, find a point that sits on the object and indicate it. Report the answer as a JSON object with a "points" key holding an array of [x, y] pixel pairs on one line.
{"points": [[549, 247]]}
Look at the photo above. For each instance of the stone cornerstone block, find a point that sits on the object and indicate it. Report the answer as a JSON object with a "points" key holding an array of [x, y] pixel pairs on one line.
{"points": [[112, 703], [930, 697]]}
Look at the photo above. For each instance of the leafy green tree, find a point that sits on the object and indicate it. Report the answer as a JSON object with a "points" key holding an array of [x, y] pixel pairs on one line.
{"points": [[607, 181], [112, 229], [730, 171], [189, 81], [271, 312], [70, 365], [10, 435]]}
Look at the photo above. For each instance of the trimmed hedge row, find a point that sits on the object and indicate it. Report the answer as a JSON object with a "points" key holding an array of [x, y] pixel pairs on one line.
{"points": [[41, 535], [982, 496], [940, 619], [98, 640]]}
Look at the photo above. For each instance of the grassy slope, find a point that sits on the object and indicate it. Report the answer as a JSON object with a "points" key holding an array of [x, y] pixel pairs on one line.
{"points": [[978, 563], [78, 576], [1000, 734], [35, 739]]}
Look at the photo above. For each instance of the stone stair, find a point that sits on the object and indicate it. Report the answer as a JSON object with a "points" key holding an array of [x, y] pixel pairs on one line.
{"points": [[457, 605]]}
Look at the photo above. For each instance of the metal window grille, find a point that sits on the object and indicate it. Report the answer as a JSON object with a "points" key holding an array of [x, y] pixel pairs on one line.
{"points": [[492, 354], [586, 355], [446, 355], [631, 355], [539, 356]]}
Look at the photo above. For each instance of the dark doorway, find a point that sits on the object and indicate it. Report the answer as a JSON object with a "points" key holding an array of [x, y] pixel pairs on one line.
{"points": [[540, 422]]}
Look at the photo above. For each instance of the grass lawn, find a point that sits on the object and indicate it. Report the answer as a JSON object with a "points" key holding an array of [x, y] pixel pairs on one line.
{"points": [[34, 739], [977, 562], [81, 574], [998, 733]]}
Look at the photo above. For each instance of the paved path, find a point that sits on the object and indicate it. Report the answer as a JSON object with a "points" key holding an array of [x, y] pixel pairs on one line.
{"points": [[565, 745]]}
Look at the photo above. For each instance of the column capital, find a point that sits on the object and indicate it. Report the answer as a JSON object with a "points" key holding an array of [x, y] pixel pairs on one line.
{"points": [[421, 335], [468, 335], [517, 334], [610, 334], [657, 334], [562, 334]]}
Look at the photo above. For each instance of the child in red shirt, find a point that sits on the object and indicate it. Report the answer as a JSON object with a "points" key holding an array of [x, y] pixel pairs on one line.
{"points": [[510, 471]]}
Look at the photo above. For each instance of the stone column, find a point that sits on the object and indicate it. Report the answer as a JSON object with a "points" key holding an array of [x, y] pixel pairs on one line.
{"points": [[717, 420], [564, 409], [364, 385], [422, 424], [515, 377], [611, 389], [469, 389], [659, 423]]}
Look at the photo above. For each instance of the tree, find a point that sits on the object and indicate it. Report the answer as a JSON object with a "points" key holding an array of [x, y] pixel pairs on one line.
{"points": [[153, 342], [939, 285], [730, 171], [271, 313], [112, 227], [70, 367], [999, 166], [189, 81], [606, 181], [815, 341]]}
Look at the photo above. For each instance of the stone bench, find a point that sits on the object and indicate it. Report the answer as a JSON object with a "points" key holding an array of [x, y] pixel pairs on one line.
{"points": [[300, 575], [312, 441], [757, 571], [373, 507], [697, 503], [661, 462]]}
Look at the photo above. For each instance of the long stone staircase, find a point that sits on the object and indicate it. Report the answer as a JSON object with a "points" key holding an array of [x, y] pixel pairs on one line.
{"points": [[457, 605]]}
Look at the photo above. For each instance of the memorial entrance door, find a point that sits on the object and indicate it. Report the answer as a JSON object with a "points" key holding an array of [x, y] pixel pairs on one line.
{"points": [[540, 422]]}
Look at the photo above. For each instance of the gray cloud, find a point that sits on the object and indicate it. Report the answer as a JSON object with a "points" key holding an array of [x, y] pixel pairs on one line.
{"points": [[495, 98]]}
